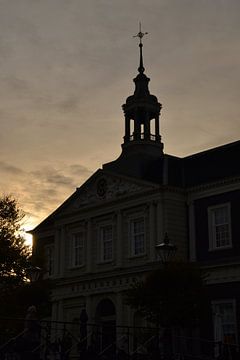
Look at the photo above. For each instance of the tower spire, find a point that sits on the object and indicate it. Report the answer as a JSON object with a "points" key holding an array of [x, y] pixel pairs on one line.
{"points": [[142, 112], [140, 35]]}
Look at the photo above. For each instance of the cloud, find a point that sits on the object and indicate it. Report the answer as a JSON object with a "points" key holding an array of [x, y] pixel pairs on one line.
{"points": [[10, 169], [67, 67], [40, 192], [77, 169]]}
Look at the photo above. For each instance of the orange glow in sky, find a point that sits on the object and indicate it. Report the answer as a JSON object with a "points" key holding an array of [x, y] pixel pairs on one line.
{"points": [[67, 67]]}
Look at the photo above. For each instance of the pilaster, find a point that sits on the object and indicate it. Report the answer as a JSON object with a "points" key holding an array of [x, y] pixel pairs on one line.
{"points": [[119, 242], [152, 231], [160, 221], [89, 246], [192, 233]]}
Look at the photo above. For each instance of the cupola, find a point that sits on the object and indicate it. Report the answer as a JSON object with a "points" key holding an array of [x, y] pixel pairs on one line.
{"points": [[142, 110]]}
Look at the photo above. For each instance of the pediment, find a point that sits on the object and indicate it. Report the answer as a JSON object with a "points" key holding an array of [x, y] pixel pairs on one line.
{"points": [[103, 187]]}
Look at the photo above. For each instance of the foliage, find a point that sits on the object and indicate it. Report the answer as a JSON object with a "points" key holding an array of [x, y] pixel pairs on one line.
{"points": [[14, 253], [16, 292], [174, 295]]}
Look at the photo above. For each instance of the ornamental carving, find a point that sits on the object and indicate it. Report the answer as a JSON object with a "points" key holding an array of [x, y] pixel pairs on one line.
{"points": [[105, 189]]}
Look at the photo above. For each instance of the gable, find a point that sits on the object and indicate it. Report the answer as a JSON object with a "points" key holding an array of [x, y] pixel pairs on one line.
{"points": [[101, 187], [104, 186]]}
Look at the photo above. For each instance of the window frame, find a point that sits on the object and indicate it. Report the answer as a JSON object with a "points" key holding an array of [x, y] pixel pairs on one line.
{"points": [[103, 241], [73, 263], [231, 301], [133, 235], [212, 227]]}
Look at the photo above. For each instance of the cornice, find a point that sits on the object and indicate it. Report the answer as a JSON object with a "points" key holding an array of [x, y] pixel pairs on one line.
{"points": [[213, 185]]}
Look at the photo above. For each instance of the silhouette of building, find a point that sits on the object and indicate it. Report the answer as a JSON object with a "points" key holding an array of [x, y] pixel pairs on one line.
{"points": [[104, 236]]}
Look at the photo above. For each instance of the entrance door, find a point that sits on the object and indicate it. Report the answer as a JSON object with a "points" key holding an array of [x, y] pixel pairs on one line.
{"points": [[106, 326]]}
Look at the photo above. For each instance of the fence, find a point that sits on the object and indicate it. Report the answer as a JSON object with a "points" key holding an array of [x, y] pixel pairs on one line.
{"points": [[52, 340]]}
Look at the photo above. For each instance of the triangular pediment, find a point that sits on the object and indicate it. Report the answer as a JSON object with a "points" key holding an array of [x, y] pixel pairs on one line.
{"points": [[104, 186]]}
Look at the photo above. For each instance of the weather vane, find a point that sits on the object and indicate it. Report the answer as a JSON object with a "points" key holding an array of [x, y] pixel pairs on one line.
{"points": [[140, 34]]}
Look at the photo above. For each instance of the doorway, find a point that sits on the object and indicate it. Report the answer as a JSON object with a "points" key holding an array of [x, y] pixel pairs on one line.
{"points": [[106, 326]]}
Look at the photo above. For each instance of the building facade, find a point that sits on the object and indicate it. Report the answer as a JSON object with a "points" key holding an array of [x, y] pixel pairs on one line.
{"points": [[104, 236]]}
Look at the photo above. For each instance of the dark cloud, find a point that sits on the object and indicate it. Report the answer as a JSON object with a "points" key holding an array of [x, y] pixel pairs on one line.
{"points": [[10, 169], [50, 176], [40, 192]]}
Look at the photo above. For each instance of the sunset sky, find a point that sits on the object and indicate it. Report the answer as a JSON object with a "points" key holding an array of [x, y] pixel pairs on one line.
{"points": [[66, 67]]}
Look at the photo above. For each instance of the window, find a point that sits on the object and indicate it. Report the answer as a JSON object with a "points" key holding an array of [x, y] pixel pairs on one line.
{"points": [[106, 242], [49, 251], [77, 249], [137, 228], [219, 221], [224, 318]]}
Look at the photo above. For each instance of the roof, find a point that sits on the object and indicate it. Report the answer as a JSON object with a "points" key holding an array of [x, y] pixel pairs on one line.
{"points": [[211, 165]]}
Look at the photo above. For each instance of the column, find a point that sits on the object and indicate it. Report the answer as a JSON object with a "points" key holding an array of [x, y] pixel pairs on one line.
{"points": [[121, 331], [119, 309], [91, 315], [157, 133], [127, 129], [146, 127], [192, 233]]}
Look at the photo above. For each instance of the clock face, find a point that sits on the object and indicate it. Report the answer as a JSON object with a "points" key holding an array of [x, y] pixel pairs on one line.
{"points": [[102, 187]]}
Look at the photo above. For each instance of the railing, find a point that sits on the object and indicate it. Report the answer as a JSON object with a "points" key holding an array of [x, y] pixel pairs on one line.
{"points": [[75, 340], [143, 136]]}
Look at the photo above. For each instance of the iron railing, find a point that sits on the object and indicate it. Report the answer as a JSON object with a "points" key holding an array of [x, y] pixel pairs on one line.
{"points": [[54, 340]]}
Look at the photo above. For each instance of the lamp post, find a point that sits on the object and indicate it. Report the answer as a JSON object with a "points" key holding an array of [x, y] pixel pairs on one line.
{"points": [[31, 336], [166, 250]]}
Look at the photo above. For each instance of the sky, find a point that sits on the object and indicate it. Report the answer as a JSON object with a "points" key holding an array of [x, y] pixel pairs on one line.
{"points": [[66, 68]]}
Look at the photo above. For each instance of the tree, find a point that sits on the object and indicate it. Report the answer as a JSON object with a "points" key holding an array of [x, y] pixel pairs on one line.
{"points": [[14, 253], [172, 296], [16, 292]]}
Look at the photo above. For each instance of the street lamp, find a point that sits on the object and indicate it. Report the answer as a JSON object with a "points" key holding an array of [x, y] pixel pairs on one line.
{"points": [[166, 250]]}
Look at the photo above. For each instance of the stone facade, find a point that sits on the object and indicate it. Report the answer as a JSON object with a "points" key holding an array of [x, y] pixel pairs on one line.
{"points": [[104, 236]]}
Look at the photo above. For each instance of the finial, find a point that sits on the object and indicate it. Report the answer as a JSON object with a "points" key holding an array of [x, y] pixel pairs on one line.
{"points": [[140, 35]]}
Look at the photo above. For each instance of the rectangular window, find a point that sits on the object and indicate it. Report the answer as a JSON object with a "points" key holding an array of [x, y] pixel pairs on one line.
{"points": [[106, 234], [219, 226], [49, 251], [224, 320], [78, 249], [137, 236]]}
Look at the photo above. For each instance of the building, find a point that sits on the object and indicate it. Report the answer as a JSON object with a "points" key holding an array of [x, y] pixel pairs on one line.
{"points": [[104, 236]]}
